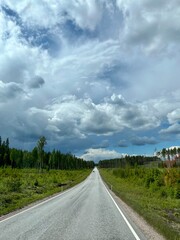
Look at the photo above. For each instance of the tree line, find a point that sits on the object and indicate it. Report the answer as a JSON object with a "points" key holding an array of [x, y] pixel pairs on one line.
{"points": [[38, 158], [169, 153], [127, 161]]}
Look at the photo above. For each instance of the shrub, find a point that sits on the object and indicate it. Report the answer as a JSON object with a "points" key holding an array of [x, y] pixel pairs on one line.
{"points": [[36, 183], [14, 184], [163, 193], [177, 192]]}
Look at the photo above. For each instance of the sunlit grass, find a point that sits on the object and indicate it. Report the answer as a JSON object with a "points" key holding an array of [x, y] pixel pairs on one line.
{"points": [[19, 187]]}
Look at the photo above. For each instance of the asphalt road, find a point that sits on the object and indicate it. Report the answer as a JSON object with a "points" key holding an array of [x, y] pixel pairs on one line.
{"points": [[86, 211]]}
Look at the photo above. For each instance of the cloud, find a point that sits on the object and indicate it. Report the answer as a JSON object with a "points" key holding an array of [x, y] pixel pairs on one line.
{"points": [[107, 117], [141, 141], [36, 82], [122, 143], [103, 144], [70, 117], [104, 118], [84, 14], [151, 26], [9, 91], [117, 100], [36, 13], [171, 130], [174, 116], [100, 154]]}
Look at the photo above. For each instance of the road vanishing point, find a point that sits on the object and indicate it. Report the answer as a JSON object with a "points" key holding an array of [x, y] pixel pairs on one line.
{"points": [[84, 212]]}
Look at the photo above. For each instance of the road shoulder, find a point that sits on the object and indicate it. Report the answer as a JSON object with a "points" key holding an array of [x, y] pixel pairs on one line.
{"points": [[135, 219]]}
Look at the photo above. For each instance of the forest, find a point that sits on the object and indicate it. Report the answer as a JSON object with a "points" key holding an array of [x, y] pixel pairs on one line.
{"points": [[166, 158], [129, 161], [38, 158]]}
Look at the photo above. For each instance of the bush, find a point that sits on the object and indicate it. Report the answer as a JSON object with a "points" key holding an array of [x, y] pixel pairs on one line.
{"points": [[14, 184], [36, 183], [163, 193], [177, 192], [163, 181]]}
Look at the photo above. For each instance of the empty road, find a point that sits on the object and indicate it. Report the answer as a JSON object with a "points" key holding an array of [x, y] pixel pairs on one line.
{"points": [[86, 211]]}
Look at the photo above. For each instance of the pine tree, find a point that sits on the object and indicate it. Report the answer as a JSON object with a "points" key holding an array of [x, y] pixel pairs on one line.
{"points": [[40, 147]]}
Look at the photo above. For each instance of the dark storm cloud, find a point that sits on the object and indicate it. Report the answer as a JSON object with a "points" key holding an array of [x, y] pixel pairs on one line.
{"points": [[103, 144], [141, 141], [36, 82]]}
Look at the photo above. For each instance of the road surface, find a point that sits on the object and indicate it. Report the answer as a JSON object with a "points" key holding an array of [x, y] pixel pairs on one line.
{"points": [[86, 211]]}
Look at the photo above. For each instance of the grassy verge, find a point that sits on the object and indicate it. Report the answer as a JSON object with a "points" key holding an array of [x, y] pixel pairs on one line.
{"points": [[20, 187], [151, 194]]}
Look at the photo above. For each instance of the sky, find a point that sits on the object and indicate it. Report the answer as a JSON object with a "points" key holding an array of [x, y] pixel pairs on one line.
{"points": [[97, 78]]}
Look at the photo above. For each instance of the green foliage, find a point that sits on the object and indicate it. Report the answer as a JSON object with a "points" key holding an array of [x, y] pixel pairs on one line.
{"points": [[36, 183], [40, 148], [19, 187], [177, 192], [153, 179], [14, 184], [4, 152]]}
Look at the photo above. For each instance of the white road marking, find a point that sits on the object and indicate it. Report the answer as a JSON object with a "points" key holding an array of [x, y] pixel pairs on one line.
{"points": [[122, 214]]}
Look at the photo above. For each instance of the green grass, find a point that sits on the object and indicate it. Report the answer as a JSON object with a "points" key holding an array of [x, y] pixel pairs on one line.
{"points": [[20, 187], [154, 194]]}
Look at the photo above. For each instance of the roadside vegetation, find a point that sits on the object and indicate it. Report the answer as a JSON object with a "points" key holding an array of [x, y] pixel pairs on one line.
{"points": [[20, 187], [27, 176], [153, 192]]}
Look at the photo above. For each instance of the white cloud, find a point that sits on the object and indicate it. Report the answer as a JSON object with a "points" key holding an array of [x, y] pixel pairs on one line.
{"points": [[84, 117], [163, 106], [86, 14], [70, 117], [174, 116], [152, 26], [173, 129], [36, 13], [9, 91], [174, 120], [100, 154]]}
